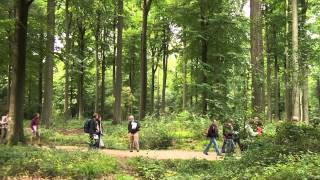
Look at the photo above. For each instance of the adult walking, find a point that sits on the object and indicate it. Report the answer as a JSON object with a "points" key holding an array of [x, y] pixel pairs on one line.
{"points": [[35, 122], [4, 127], [133, 130], [213, 134]]}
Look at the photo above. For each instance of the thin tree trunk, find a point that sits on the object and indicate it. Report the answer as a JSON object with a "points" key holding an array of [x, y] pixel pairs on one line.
{"points": [[103, 70], [295, 61], [81, 43], [158, 95], [143, 63], [165, 69], [318, 92], [204, 53], [97, 79], [269, 84], [184, 96], [114, 48], [66, 109], [257, 57], [16, 109], [118, 83], [46, 115], [304, 64], [287, 67], [276, 76]]}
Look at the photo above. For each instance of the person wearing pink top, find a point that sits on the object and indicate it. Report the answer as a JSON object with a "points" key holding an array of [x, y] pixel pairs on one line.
{"points": [[35, 127]]}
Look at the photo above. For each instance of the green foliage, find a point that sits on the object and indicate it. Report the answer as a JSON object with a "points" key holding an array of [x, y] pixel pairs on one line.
{"points": [[15, 161], [266, 158]]}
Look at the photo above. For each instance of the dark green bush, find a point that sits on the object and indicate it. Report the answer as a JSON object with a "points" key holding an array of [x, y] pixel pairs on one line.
{"points": [[15, 161]]}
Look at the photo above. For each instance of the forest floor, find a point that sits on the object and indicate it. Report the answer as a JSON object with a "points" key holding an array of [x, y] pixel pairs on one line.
{"points": [[153, 154]]}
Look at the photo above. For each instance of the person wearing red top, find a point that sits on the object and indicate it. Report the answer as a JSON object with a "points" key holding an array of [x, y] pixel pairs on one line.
{"points": [[35, 127], [259, 124]]}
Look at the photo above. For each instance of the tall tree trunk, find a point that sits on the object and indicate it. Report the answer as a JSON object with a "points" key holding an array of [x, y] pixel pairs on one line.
{"points": [[184, 96], [66, 110], [318, 92], [287, 67], [164, 68], [10, 45], [276, 76], [81, 43], [103, 70], [46, 115], [118, 85], [153, 74], [42, 54], [204, 53], [295, 61], [304, 64], [269, 71], [143, 63], [97, 89], [114, 48], [16, 109], [158, 94], [257, 57]]}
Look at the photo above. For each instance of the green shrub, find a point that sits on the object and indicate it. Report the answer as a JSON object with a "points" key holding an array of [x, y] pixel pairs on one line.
{"points": [[15, 161]]}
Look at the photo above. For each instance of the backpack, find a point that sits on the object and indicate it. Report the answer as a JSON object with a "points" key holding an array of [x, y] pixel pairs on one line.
{"points": [[86, 126]]}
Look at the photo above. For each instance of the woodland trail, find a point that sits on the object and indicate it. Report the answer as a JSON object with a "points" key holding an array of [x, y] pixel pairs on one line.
{"points": [[152, 154]]}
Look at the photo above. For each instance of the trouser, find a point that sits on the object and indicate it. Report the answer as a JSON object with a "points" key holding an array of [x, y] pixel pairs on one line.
{"points": [[134, 141], [94, 140], [215, 144], [3, 134]]}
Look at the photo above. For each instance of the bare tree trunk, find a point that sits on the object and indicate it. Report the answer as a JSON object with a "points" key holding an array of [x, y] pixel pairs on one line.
{"points": [[204, 52], [304, 64], [144, 64], [184, 96], [81, 43], [103, 71], [46, 115], [114, 48], [97, 88], [16, 109], [257, 57], [269, 84], [158, 94], [118, 83], [318, 92], [164, 68], [295, 60], [66, 110], [287, 67]]}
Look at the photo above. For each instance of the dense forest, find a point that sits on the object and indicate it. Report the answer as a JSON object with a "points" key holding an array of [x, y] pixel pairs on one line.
{"points": [[231, 60]]}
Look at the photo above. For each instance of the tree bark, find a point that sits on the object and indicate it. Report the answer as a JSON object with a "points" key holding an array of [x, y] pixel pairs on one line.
{"points": [[295, 61], [118, 83], [103, 70], [46, 115], [97, 79], [269, 84], [164, 68], [276, 76], [143, 63], [66, 110], [204, 53], [287, 71], [16, 109], [184, 96], [81, 43], [257, 57], [304, 64]]}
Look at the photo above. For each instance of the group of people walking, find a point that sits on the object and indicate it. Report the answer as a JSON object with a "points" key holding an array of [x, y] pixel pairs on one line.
{"points": [[231, 135], [4, 123], [94, 128]]}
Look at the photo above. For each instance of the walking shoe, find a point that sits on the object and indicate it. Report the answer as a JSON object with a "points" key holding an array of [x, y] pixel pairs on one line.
{"points": [[206, 153]]}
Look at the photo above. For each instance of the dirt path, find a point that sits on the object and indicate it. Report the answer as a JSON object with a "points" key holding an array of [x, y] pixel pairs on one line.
{"points": [[153, 154]]}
